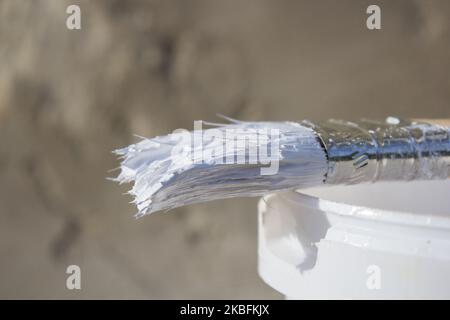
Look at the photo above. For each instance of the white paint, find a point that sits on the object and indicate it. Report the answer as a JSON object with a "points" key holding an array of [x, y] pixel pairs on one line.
{"points": [[188, 167], [392, 120]]}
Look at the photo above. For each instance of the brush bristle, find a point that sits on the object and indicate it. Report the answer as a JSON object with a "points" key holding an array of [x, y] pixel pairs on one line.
{"points": [[189, 167]]}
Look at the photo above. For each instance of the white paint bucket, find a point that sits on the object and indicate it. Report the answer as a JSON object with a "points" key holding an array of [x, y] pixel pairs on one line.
{"points": [[374, 241]]}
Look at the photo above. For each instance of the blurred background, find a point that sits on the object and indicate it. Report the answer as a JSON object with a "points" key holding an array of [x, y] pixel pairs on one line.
{"points": [[69, 97]]}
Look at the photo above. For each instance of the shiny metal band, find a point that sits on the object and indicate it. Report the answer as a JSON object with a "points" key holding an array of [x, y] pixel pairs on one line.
{"points": [[390, 150]]}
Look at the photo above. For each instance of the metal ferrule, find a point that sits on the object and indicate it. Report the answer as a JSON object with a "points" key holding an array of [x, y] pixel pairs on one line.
{"points": [[369, 151]]}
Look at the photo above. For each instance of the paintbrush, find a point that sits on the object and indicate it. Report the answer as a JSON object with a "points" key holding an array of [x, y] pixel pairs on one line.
{"points": [[241, 159]]}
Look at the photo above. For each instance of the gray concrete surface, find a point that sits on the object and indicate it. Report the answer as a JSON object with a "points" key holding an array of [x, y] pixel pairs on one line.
{"points": [[67, 98]]}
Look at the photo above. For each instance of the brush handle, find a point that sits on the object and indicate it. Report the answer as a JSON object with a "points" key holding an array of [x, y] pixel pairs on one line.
{"points": [[440, 122], [370, 151]]}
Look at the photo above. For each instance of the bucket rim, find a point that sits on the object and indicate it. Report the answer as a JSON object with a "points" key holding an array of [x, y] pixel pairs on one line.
{"points": [[367, 213]]}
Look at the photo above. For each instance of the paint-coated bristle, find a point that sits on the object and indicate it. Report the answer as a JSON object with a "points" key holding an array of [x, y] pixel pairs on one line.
{"points": [[233, 160]]}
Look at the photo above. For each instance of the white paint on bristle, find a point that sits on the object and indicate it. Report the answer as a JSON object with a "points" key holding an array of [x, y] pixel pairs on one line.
{"points": [[168, 172]]}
